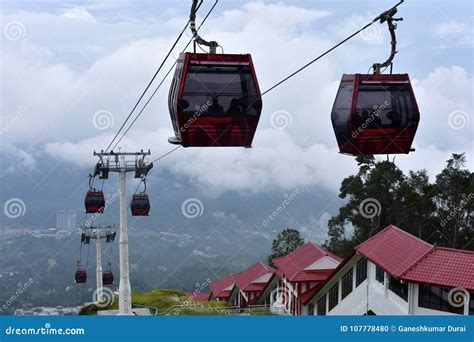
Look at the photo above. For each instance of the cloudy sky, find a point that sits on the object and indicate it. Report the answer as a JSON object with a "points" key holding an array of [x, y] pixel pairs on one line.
{"points": [[72, 70]]}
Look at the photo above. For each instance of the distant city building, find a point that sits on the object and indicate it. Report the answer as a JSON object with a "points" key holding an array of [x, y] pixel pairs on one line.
{"points": [[66, 220]]}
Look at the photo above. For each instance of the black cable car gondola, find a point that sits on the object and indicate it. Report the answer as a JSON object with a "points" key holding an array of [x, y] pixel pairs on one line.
{"points": [[108, 276], [80, 276], [376, 113], [214, 99]]}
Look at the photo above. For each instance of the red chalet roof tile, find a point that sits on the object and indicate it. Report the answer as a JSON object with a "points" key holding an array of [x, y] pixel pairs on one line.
{"points": [[245, 278], [445, 267], [218, 287], [394, 250], [292, 264]]}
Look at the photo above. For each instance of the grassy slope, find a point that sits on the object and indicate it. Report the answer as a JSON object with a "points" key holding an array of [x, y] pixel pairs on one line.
{"points": [[166, 301]]}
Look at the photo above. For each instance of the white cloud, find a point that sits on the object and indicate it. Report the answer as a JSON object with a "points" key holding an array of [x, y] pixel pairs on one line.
{"points": [[78, 13]]}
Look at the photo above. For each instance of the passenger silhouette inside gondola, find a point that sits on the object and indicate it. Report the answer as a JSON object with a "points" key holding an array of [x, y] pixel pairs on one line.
{"points": [[234, 108], [396, 119], [215, 108]]}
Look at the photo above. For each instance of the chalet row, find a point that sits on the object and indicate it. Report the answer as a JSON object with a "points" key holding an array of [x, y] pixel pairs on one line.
{"points": [[392, 273]]}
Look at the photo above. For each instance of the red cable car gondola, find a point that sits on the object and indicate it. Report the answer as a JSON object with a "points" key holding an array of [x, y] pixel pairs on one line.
{"points": [[94, 201], [108, 276], [214, 99], [376, 113], [140, 205], [80, 276]]}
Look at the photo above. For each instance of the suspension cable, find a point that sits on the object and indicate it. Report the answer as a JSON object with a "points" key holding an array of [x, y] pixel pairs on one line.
{"points": [[164, 78], [331, 49], [153, 78]]}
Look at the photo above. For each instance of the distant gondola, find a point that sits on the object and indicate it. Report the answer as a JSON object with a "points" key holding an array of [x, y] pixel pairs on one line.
{"points": [[94, 202], [80, 276], [140, 205]]}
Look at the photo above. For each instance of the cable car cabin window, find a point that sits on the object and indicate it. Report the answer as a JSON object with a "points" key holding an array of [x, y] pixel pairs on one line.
{"points": [[385, 106], [220, 91], [341, 111]]}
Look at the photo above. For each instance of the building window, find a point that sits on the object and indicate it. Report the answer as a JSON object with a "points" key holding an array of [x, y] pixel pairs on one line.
{"points": [[310, 309], [379, 274], [361, 271], [436, 298], [346, 284], [399, 288], [322, 306], [333, 296]]}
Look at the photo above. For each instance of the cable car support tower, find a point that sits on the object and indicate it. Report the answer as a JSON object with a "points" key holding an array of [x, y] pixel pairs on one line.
{"points": [[97, 233], [122, 163]]}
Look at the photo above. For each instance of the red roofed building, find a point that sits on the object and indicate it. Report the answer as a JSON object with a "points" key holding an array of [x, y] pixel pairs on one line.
{"points": [[298, 275], [225, 289], [395, 273], [243, 288], [252, 281]]}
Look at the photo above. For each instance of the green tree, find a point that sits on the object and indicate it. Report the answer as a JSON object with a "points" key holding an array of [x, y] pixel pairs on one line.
{"points": [[286, 242], [380, 194], [455, 204]]}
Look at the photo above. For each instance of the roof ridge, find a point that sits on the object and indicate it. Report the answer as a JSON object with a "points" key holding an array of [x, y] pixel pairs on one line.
{"points": [[457, 250], [416, 262], [399, 230]]}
